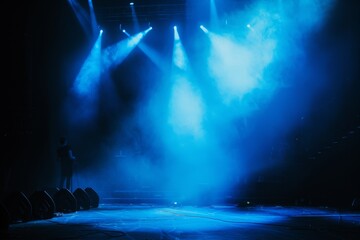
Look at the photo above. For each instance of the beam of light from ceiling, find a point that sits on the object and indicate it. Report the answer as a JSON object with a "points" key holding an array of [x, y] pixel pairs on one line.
{"points": [[81, 15], [116, 53], [247, 62], [85, 87], [214, 19], [154, 56], [186, 107], [189, 146], [94, 24], [134, 18], [89, 75], [179, 56], [237, 68], [151, 53]]}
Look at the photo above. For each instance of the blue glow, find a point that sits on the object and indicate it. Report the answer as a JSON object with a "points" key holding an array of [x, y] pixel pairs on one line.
{"points": [[186, 110], [176, 34], [85, 86], [235, 79], [186, 107], [188, 166], [82, 16], [92, 17], [214, 19], [179, 56], [88, 78], [184, 219], [134, 40], [212, 131], [134, 17], [153, 55], [144, 221], [240, 63], [115, 54]]}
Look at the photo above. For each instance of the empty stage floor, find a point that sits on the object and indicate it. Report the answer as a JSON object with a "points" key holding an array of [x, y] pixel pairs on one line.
{"points": [[147, 222]]}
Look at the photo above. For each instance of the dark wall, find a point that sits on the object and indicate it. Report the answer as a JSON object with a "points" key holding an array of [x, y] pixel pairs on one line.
{"points": [[37, 48]]}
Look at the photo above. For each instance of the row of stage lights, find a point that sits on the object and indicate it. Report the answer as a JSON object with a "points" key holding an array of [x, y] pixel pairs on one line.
{"points": [[201, 26], [175, 28]]}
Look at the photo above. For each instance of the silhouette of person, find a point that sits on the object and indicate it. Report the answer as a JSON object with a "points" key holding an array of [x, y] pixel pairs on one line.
{"points": [[66, 158]]}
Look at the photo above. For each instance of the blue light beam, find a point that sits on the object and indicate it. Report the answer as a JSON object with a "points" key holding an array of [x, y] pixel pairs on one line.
{"points": [[82, 16], [88, 78], [115, 54]]}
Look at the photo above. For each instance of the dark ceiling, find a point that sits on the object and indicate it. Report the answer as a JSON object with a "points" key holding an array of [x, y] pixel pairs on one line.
{"points": [[110, 11], [159, 11]]}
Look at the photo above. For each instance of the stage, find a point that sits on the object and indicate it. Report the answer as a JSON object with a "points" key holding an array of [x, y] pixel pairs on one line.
{"points": [[245, 112], [150, 221]]}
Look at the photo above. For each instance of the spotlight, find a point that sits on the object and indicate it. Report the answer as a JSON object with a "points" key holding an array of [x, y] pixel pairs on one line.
{"points": [[249, 27], [204, 29], [125, 32], [131, 4], [175, 204], [175, 28]]}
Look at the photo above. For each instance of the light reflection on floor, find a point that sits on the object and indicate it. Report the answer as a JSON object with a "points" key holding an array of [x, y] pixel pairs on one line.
{"points": [[118, 221]]}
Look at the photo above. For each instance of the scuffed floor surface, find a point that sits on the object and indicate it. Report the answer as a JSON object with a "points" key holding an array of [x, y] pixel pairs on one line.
{"points": [[147, 222]]}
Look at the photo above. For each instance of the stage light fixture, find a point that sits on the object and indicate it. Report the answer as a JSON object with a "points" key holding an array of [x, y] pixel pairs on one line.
{"points": [[204, 29], [125, 32], [131, 4]]}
